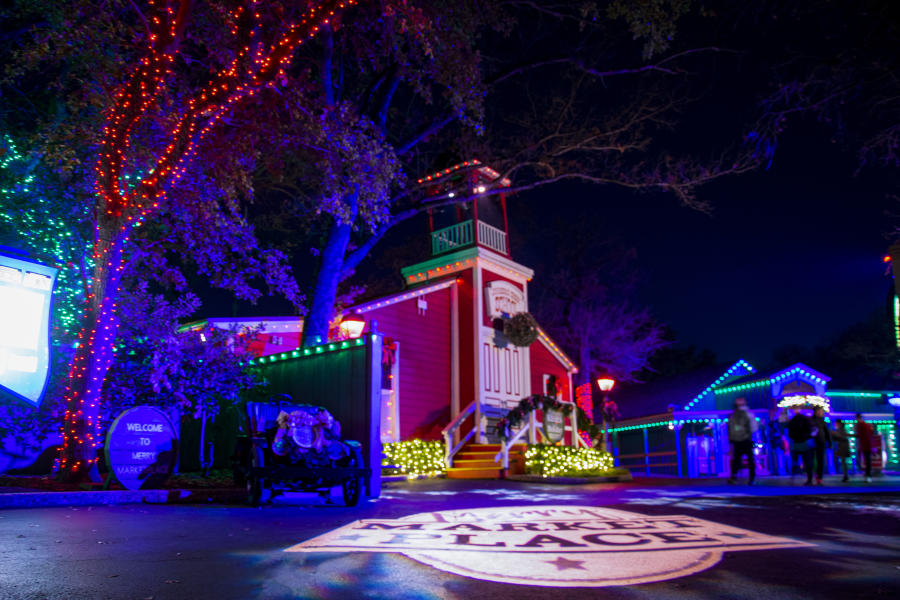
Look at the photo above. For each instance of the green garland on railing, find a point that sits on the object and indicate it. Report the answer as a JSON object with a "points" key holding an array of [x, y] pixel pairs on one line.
{"points": [[540, 402]]}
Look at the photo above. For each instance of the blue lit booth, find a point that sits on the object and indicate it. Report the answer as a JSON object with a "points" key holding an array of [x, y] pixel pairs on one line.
{"points": [[679, 427], [26, 295]]}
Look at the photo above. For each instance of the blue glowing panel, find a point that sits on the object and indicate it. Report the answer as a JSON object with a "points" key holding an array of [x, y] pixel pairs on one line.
{"points": [[26, 291]]}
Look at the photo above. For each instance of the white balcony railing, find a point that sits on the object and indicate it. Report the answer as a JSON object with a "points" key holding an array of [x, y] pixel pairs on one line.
{"points": [[460, 235], [491, 237]]}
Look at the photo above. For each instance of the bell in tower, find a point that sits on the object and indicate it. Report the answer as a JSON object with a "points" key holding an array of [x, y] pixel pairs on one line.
{"points": [[478, 220]]}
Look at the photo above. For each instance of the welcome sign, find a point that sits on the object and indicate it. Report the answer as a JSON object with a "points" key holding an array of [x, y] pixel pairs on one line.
{"points": [[558, 546], [141, 448]]}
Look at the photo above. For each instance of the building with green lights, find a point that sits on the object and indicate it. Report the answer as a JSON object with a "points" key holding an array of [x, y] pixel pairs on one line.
{"points": [[680, 428]]}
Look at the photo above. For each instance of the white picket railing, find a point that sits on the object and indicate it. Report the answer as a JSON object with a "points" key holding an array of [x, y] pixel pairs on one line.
{"points": [[534, 430], [493, 238]]}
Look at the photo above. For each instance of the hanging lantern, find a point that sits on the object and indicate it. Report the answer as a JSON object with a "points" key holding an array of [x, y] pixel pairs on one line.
{"points": [[352, 326]]}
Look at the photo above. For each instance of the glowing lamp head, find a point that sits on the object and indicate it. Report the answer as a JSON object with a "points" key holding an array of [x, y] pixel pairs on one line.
{"points": [[352, 326], [606, 384]]}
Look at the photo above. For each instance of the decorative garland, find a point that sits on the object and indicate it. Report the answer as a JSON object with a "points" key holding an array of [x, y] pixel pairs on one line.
{"points": [[521, 329], [539, 402], [803, 401]]}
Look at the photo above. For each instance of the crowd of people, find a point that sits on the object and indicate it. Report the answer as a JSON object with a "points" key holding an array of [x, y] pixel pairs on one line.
{"points": [[797, 438]]}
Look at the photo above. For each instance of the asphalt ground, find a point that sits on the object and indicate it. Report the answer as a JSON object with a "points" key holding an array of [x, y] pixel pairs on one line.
{"points": [[134, 551]]}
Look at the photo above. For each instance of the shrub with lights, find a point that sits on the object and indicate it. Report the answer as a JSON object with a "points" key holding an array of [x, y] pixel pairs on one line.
{"points": [[566, 461], [414, 458]]}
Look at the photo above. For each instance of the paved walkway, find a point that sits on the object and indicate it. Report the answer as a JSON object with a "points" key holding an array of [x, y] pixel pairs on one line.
{"points": [[835, 542]]}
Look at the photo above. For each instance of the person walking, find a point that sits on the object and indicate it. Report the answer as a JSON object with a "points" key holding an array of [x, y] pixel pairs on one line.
{"points": [[864, 442], [741, 427], [821, 437], [841, 439], [800, 433], [778, 442]]}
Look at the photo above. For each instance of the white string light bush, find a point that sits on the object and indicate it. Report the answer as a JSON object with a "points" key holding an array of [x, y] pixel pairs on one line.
{"points": [[566, 461], [413, 458]]}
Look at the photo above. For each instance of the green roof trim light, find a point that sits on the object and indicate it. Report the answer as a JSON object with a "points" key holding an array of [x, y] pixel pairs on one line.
{"points": [[852, 394], [741, 363], [327, 347], [744, 386]]}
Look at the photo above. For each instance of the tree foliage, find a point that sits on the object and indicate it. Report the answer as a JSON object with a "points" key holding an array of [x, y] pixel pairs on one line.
{"points": [[195, 372], [588, 306], [542, 92]]}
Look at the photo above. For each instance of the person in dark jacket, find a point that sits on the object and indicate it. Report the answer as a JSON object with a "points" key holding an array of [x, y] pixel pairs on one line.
{"points": [[841, 439], [741, 427], [800, 433], [779, 448], [821, 437], [864, 441]]}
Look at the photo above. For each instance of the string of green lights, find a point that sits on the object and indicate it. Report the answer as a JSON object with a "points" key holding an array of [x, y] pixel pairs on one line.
{"points": [[44, 224]]}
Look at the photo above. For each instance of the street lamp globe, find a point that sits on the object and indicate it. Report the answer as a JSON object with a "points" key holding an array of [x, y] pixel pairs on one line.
{"points": [[606, 384], [352, 326]]}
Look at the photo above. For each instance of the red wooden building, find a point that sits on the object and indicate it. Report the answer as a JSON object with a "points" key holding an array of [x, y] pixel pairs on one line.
{"points": [[447, 352]]}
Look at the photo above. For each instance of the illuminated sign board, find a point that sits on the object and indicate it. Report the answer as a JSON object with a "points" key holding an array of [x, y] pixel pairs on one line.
{"points": [[554, 425], [26, 291], [552, 546]]}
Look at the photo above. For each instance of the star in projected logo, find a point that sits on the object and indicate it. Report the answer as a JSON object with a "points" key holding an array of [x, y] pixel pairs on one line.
{"points": [[562, 546]]}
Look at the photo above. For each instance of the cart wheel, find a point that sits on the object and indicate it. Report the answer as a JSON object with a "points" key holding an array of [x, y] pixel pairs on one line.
{"points": [[259, 491], [254, 491], [351, 489]]}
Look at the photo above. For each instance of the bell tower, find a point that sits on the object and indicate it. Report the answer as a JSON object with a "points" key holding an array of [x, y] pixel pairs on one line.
{"points": [[470, 243]]}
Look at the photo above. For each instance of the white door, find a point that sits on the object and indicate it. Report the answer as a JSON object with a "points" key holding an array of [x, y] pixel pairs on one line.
{"points": [[504, 372]]}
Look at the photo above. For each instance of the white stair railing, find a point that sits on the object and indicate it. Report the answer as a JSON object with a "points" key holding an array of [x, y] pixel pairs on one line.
{"points": [[449, 449], [534, 431]]}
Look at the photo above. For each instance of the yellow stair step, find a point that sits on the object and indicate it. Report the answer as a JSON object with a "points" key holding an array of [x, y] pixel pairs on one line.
{"points": [[473, 473]]}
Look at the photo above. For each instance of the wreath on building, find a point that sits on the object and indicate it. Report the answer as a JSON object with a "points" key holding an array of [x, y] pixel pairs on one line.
{"points": [[521, 329], [529, 404]]}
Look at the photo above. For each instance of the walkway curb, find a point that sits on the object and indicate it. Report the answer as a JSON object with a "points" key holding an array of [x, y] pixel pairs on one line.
{"points": [[571, 480], [106, 497]]}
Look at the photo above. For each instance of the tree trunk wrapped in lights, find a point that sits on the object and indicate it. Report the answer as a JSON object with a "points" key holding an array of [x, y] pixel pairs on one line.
{"points": [[256, 64]]}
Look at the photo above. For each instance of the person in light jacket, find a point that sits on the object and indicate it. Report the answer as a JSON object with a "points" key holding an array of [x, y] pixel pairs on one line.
{"points": [[841, 439], [741, 427]]}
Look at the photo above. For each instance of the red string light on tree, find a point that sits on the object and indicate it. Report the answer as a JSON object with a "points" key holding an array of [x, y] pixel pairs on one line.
{"points": [[255, 66]]}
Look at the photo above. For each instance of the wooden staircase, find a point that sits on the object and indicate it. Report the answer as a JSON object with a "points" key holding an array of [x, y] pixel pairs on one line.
{"points": [[476, 461]]}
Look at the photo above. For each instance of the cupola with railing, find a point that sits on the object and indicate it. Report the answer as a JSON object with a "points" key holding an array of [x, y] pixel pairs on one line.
{"points": [[471, 208]]}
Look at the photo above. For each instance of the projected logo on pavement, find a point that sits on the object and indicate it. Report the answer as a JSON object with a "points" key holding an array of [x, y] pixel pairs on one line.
{"points": [[562, 546]]}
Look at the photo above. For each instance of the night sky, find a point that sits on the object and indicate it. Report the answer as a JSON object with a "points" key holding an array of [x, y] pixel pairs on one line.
{"points": [[789, 256]]}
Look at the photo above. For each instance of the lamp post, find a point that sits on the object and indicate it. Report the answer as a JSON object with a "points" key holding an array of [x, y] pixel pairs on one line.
{"points": [[605, 384]]}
